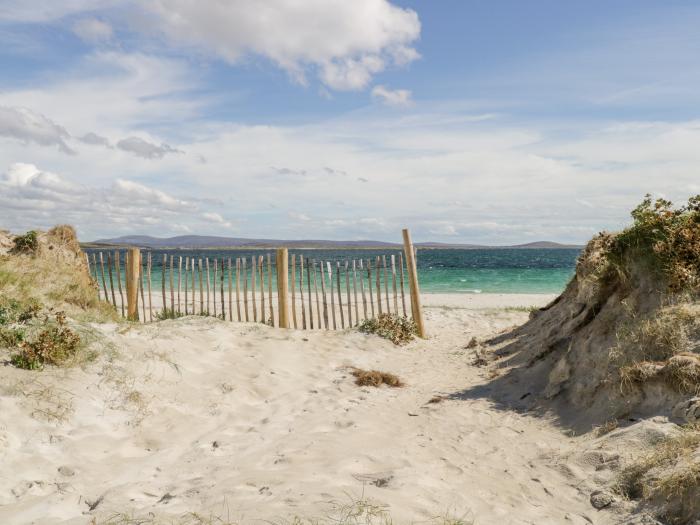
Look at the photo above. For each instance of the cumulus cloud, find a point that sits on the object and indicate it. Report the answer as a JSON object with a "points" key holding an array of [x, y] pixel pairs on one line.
{"points": [[93, 31], [33, 198], [395, 97], [145, 149], [29, 127], [346, 42], [95, 140]]}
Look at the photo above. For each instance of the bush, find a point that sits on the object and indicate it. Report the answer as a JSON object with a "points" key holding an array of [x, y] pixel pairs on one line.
{"points": [[399, 330], [27, 243], [55, 344], [666, 238]]}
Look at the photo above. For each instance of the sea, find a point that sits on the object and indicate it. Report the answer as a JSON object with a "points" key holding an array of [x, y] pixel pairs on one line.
{"points": [[474, 271]]}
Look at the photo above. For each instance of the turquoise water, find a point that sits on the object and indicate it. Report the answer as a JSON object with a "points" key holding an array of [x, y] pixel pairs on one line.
{"points": [[446, 271]]}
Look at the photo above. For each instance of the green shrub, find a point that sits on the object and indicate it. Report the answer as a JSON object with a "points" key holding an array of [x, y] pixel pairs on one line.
{"points": [[167, 313], [27, 243], [55, 344], [667, 239], [399, 330]]}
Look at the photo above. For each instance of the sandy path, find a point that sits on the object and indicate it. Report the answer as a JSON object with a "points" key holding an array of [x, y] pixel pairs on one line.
{"points": [[251, 423]]}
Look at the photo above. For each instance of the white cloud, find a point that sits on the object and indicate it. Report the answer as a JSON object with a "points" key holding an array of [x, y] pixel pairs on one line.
{"points": [[145, 149], [92, 30], [396, 97], [347, 42], [32, 198], [217, 218], [27, 126]]}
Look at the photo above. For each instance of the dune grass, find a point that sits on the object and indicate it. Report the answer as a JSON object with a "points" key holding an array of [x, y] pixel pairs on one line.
{"points": [[668, 476]]}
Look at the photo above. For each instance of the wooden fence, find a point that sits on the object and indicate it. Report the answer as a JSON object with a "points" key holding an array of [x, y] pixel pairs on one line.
{"points": [[308, 293]]}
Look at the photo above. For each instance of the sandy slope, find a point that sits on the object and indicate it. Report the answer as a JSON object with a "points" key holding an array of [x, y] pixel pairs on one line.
{"points": [[249, 422]]}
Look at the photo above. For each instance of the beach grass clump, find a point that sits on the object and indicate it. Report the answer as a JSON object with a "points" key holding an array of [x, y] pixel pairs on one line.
{"points": [[375, 378], [666, 239], [54, 344], [398, 329], [168, 313], [668, 476], [665, 345]]}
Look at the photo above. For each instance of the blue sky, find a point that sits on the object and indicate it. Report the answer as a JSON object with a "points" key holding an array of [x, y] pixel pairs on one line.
{"points": [[468, 121]]}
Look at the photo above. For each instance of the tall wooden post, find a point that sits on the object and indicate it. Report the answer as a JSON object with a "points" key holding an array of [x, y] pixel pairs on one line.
{"points": [[283, 287], [133, 264], [413, 283]]}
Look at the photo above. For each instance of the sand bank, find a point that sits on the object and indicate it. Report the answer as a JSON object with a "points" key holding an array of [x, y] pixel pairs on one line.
{"points": [[250, 423]]}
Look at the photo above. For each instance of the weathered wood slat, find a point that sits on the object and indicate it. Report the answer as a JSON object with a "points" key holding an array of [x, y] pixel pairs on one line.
{"points": [[201, 286], [330, 280], [301, 291], [111, 279], [262, 289], [354, 288], [172, 287], [253, 270], [179, 283], [293, 283], [308, 285], [347, 291], [245, 289], [104, 282], [238, 288], [215, 284], [369, 285], [269, 290], [393, 280], [386, 284], [325, 300], [150, 294], [403, 295], [362, 291], [118, 267], [142, 285], [379, 286], [187, 274]]}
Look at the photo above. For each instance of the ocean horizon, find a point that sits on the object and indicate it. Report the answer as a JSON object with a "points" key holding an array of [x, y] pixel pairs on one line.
{"points": [[466, 271]]}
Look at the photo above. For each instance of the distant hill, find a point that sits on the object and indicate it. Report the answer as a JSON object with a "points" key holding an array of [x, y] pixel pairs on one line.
{"points": [[208, 241]]}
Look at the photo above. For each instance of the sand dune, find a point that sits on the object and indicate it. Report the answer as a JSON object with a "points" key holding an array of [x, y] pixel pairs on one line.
{"points": [[251, 423]]}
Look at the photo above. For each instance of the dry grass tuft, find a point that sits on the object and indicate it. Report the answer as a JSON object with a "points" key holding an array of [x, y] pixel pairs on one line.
{"points": [[669, 476], [375, 378], [399, 330]]}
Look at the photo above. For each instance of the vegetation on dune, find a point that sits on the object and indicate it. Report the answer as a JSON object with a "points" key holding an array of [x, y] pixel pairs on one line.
{"points": [[665, 239], [668, 477], [43, 283], [399, 330], [27, 243]]}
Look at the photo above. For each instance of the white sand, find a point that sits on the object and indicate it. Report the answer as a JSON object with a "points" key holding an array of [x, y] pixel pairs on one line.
{"points": [[247, 422]]}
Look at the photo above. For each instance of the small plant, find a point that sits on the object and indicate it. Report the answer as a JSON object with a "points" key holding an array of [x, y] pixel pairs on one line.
{"points": [[375, 378], [399, 330], [27, 243], [11, 337], [55, 344], [167, 313]]}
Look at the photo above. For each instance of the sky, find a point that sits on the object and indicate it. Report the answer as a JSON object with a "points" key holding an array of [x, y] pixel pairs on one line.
{"points": [[476, 121]]}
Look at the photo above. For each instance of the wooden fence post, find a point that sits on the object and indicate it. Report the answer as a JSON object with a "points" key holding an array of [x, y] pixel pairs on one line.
{"points": [[133, 263], [413, 283], [282, 287]]}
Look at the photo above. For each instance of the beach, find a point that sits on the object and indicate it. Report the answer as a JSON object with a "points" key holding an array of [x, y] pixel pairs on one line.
{"points": [[243, 422]]}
